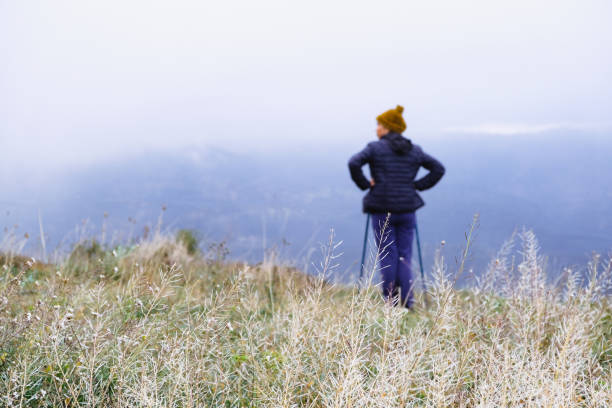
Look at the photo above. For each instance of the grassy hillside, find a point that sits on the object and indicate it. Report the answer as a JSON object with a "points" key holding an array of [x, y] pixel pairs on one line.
{"points": [[163, 324]]}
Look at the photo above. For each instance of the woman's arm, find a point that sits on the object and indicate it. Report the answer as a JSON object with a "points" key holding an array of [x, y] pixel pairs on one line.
{"points": [[436, 171], [356, 163]]}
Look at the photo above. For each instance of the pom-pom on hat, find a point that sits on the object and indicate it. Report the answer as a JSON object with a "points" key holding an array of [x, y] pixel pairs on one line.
{"points": [[393, 120]]}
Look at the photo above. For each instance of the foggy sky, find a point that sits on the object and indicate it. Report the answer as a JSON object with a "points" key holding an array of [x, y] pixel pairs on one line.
{"points": [[89, 81]]}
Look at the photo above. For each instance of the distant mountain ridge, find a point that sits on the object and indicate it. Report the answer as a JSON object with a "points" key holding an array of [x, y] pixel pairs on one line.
{"points": [[559, 185]]}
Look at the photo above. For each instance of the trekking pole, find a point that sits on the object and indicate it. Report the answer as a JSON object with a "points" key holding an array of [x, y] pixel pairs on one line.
{"points": [[365, 244], [416, 230]]}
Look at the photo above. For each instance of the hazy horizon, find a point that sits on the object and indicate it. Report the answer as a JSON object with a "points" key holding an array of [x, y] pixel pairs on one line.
{"points": [[557, 185], [117, 106]]}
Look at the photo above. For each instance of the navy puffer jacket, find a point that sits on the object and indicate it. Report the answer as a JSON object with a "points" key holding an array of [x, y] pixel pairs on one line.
{"points": [[394, 162]]}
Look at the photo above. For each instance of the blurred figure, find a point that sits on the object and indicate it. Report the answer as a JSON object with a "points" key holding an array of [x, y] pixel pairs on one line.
{"points": [[392, 199]]}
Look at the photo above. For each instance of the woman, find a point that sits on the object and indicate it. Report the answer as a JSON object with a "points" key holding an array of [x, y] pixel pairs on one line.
{"points": [[392, 198]]}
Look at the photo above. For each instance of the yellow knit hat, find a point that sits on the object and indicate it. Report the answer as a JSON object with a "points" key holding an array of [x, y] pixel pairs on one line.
{"points": [[393, 120]]}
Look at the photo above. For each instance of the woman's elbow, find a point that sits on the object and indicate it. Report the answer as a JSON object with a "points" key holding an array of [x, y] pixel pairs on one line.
{"points": [[354, 164], [441, 170]]}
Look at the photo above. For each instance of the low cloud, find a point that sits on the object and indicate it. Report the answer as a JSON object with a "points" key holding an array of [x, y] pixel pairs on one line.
{"points": [[523, 128]]}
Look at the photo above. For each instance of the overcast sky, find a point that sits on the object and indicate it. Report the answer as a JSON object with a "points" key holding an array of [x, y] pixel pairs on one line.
{"points": [[84, 81]]}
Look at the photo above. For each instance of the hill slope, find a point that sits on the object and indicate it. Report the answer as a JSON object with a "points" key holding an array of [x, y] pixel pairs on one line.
{"points": [[156, 325]]}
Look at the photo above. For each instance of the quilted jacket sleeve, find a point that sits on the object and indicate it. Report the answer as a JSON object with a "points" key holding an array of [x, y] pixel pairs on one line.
{"points": [[356, 163], [436, 171]]}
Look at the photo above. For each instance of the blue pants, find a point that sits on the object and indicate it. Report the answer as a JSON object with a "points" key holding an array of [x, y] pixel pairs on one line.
{"points": [[394, 244]]}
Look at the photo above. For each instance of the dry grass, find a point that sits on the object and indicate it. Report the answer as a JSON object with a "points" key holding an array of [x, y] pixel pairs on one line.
{"points": [[153, 325]]}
